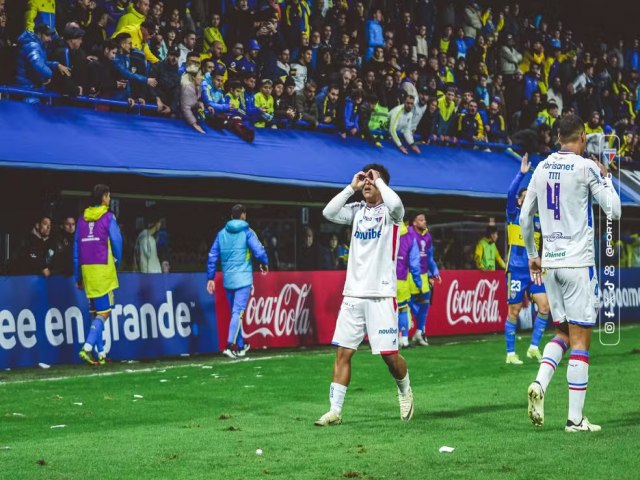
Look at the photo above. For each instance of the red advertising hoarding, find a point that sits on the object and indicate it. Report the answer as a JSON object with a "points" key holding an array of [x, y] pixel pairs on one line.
{"points": [[290, 309]]}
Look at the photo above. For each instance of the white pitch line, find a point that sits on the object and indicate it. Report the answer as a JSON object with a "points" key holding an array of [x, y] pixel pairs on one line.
{"points": [[142, 370]]}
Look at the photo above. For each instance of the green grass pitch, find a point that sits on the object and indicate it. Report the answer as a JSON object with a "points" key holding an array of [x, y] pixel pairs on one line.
{"points": [[204, 418]]}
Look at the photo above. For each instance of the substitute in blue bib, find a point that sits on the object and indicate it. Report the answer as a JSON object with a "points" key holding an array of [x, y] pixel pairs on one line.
{"points": [[519, 282]]}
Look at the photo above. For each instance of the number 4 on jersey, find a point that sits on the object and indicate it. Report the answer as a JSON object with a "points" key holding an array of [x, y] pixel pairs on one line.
{"points": [[553, 199]]}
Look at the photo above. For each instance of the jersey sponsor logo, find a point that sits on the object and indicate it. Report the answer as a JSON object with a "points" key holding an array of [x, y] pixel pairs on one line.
{"points": [[556, 236], [371, 234], [388, 331], [281, 315], [569, 167], [555, 255], [478, 305]]}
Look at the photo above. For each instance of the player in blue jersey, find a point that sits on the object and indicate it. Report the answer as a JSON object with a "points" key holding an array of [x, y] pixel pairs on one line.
{"points": [[518, 277]]}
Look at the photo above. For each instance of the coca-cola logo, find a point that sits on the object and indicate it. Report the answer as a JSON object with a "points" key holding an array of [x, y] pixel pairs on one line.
{"points": [[280, 316], [478, 305]]}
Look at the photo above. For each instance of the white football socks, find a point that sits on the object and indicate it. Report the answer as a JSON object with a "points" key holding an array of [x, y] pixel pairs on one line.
{"points": [[551, 357], [336, 396], [404, 385]]}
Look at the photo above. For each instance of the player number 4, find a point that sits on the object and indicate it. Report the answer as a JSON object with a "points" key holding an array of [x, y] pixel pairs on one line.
{"points": [[553, 199]]}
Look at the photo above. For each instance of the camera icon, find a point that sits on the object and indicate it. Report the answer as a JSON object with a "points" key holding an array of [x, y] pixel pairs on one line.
{"points": [[609, 327]]}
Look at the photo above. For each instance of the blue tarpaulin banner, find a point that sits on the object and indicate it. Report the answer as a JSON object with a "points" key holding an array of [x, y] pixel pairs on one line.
{"points": [[46, 320]]}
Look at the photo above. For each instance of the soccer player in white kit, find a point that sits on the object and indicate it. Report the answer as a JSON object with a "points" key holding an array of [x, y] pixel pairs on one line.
{"points": [[369, 304], [561, 190]]}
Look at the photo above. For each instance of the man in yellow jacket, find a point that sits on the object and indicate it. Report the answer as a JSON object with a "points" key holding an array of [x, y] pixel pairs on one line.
{"points": [[140, 35], [487, 254], [135, 15], [40, 11]]}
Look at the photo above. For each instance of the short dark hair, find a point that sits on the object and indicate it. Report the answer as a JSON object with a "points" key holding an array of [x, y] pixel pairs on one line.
{"points": [[186, 33], [193, 54], [149, 25], [381, 169], [109, 44], [569, 128], [237, 210], [491, 229], [99, 191], [121, 37]]}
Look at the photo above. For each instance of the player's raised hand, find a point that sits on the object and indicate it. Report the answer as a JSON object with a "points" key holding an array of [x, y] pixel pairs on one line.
{"points": [[525, 165], [535, 269], [358, 181], [264, 269], [211, 287], [373, 175], [601, 166]]}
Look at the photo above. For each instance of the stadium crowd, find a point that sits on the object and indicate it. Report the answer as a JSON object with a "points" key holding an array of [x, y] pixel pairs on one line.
{"points": [[421, 71]]}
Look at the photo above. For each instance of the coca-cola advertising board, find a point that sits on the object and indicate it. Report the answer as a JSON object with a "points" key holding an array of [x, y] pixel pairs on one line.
{"points": [[287, 309], [290, 309]]}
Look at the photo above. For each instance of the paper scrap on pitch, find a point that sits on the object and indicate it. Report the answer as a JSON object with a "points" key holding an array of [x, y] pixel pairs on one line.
{"points": [[16, 414], [58, 426], [163, 380], [78, 403], [44, 365], [6, 447], [137, 396], [445, 449]]}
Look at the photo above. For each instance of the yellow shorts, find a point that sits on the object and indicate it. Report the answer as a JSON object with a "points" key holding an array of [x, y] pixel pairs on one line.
{"points": [[425, 284], [404, 292]]}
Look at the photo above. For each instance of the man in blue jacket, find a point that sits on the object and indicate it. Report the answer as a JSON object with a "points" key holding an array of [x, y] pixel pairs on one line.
{"points": [[33, 69], [234, 245]]}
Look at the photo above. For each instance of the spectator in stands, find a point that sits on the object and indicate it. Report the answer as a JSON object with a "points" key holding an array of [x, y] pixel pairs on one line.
{"points": [[496, 126], [300, 70], [212, 33], [140, 35], [39, 250], [400, 120], [419, 108], [374, 33], [264, 104], [285, 107], [247, 63], [240, 23], [447, 109], [472, 23], [306, 105], [63, 257], [67, 52], [486, 253], [329, 256], [213, 94], [593, 125], [283, 68], [296, 17], [33, 70], [470, 125], [352, 113], [328, 108], [549, 115], [235, 98], [40, 12], [135, 15], [428, 126], [215, 55], [103, 78], [309, 254], [146, 247], [186, 46], [388, 93], [190, 91], [122, 63], [510, 58], [167, 74], [534, 140], [96, 32]]}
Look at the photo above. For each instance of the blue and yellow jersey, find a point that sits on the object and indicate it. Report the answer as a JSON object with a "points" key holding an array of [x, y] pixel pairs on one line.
{"points": [[517, 258]]}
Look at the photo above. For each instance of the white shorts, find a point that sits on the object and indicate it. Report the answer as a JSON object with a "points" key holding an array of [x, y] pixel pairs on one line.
{"points": [[377, 317], [573, 295]]}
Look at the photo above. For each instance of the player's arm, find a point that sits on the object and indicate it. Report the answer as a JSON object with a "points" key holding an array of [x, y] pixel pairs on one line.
{"points": [[601, 187], [391, 200], [528, 211], [414, 264], [393, 125], [431, 262], [512, 193], [499, 260], [212, 259], [257, 249], [115, 238], [336, 210]]}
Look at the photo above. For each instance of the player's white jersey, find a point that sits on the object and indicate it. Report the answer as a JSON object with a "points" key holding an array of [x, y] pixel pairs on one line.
{"points": [[371, 269], [561, 190]]}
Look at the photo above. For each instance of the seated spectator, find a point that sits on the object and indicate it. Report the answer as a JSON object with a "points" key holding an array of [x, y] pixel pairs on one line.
{"points": [[409, 84], [235, 98], [140, 35], [212, 33], [400, 120], [67, 52], [389, 94], [135, 14], [306, 105], [309, 253], [247, 100], [470, 125], [352, 113], [190, 91], [447, 109], [215, 54], [534, 140], [285, 105], [300, 70], [212, 93], [103, 79], [39, 250], [186, 46], [264, 104], [63, 257], [168, 76], [549, 115], [283, 69], [428, 126], [33, 70], [496, 126], [329, 255], [122, 62], [593, 125], [328, 107], [247, 62], [482, 91]]}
